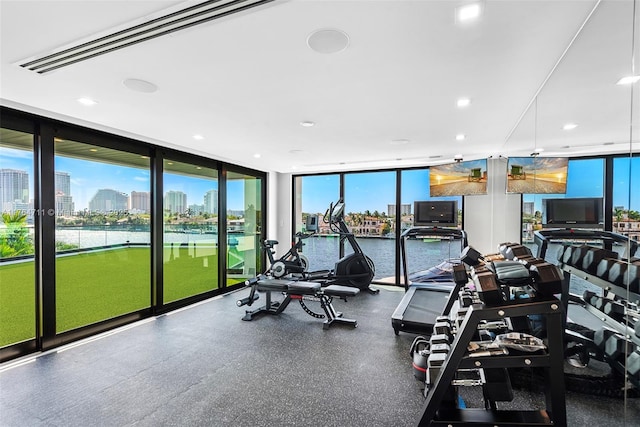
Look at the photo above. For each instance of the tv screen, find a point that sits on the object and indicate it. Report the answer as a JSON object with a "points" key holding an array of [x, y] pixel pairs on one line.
{"points": [[435, 213], [458, 179], [537, 175], [586, 212]]}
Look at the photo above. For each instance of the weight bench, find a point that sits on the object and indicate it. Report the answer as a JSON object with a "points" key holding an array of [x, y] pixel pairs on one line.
{"points": [[300, 291]]}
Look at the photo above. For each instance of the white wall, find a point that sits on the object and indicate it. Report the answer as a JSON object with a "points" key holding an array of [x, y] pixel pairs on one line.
{"points": [[493, 218], [279, 208]]}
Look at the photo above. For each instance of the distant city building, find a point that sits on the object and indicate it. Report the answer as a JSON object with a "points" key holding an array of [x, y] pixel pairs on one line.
{"points": [[196, 209], [211, 202], [175, 202], [528, 208], [107, 200], [405, 209], [14, 189], [140, 202], [64, 200]]}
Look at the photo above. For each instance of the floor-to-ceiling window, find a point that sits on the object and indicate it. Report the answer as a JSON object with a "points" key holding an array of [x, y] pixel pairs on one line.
{"points": [[424, 252], [313, 196], [190, 233], [244, 225], [369, 214], [102, 235], [17, 243], [626, 196]]}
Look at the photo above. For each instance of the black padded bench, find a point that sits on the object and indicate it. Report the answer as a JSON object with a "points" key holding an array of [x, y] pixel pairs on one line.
{"points": [[298, 290]]}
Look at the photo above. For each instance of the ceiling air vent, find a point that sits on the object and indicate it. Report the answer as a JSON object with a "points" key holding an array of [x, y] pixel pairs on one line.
{"points": [[163, 25]]}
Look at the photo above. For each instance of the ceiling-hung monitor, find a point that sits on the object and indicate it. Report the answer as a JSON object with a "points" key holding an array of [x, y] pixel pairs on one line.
{"points": [[435, 213], [458, 179], [580, 212], [537, 175]]}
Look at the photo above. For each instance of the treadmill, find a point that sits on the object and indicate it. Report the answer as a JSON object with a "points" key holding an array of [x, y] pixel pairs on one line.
{"points": [[426, 292]]}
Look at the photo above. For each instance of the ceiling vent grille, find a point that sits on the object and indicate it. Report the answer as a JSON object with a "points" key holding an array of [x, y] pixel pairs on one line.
{"points": [[167, 24]]}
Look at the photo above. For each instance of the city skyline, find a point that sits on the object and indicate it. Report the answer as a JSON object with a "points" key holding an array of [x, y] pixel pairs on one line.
{"points": [[364, 190], [88, 177]]}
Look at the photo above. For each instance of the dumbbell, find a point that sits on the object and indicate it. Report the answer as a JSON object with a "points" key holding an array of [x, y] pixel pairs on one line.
{"points": [[592, 258], [631, 279], [604, 266], [442, 328], [590, 297], [434, 364], [633, 364], [548, 278], [465, 298], [614, 309], [617, 347], [512, 251], [601, 336], [564, 254], [577, 255], [617, 271], [439, 339]]}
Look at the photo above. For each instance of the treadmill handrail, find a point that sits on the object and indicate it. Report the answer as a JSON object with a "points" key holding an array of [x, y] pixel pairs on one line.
{"points": [[541, 238]]}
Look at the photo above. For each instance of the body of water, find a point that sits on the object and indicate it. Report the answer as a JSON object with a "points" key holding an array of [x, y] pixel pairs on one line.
{"points": [[322, 252]]}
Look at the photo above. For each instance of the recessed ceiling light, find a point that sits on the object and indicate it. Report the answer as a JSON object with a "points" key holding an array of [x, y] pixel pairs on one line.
{"points": [[435, 157], [609, 143], [460, 137], [468, 12], [198, 137], [93, 150], [569, 126], [628, 80], [463, 102], [538, 150], [138, 85], [328, 40], [399, 142], [87, 101], [257, 155], [307, 124]]}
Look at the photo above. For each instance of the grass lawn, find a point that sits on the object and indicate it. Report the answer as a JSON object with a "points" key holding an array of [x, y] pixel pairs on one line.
{"points": [[95, 286]]}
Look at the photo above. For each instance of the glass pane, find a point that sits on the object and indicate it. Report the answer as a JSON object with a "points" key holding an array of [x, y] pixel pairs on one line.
{"points": [[190, 256], [244, 226], [626, 202], [424, 253], [367, 198], [103, 261], [17, 266], [314, 195]]}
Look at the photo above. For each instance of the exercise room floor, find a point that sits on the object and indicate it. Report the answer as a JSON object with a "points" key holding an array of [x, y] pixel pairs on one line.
{"points": [[204, 366]]}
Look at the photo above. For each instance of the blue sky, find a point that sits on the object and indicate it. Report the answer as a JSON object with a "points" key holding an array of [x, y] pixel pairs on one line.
{"points": [[89, 177], [366, 190], [375, 190]]}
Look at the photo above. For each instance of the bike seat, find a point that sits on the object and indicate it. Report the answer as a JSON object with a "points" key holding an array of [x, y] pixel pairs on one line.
{"points": [[270, 243]]}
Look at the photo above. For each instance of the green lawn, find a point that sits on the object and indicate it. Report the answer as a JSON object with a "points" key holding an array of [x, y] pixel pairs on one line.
{"points": [[95, 286]]}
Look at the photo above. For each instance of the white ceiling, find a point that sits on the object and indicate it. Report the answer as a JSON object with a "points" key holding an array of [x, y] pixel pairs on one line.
{"points": [[246, 81]]}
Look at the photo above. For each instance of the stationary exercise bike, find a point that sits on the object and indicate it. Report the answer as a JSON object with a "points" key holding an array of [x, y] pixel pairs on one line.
{"points": [[292, 262]]}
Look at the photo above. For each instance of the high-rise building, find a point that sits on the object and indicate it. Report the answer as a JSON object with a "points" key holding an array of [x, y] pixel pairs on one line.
{"points": [[140, 202], [64, 200], [528, 208], [211, 202], [175, 202], [107, 200], [14, 189]]}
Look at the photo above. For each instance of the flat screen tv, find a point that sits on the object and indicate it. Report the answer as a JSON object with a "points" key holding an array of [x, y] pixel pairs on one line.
{"points": [[537, 175], [584, 212], [435, 213]]}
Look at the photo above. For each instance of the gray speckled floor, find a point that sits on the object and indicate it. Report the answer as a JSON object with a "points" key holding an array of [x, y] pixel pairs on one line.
{"points": [[205, 367]]}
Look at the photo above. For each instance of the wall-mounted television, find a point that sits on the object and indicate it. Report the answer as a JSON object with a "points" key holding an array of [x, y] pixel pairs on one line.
{"points": [[537, 175], [458, 179], [435, 213], [582, 212]]}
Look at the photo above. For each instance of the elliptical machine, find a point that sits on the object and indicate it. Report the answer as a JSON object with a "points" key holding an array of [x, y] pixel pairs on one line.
{"points": [[354, 269]]}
